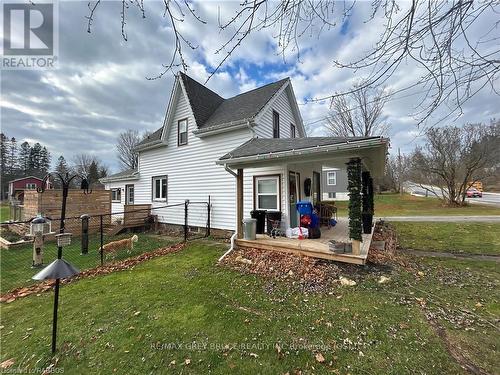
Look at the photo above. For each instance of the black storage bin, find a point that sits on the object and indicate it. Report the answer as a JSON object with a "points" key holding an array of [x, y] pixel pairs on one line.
{"points": [[272, 215], [260, 216]]}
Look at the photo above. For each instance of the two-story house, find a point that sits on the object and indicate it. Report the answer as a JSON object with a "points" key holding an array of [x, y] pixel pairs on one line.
{"points": [[253, 144]]}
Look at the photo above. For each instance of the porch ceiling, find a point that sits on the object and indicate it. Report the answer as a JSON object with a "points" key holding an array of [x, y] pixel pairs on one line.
{"points": [[327, 150]]}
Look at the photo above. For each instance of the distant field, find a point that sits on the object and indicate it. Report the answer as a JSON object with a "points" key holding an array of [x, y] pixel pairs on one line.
{"points": [[409, 205]]}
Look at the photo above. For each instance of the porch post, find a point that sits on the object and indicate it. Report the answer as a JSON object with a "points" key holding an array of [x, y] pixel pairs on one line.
{"points": [[239, 204]]}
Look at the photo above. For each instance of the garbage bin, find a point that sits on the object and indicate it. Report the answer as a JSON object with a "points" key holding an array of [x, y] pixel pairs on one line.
{"points": [[260, 216], [272, 216], [249, 227]]}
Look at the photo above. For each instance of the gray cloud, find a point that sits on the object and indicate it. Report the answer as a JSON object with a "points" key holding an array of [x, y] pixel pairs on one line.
{"points": [[100, 86]]}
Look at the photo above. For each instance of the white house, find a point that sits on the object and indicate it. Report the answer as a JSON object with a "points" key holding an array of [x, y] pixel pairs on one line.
{"points": [[178, 161], [247, 152]]}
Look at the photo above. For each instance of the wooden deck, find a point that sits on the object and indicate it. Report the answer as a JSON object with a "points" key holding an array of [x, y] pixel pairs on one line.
{"points": [[317, 248]]}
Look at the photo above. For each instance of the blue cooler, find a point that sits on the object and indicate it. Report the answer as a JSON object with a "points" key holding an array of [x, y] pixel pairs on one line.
{"points": [[304, 207]]}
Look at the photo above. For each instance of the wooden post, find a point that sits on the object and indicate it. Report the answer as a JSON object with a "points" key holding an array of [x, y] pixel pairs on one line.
{"points": [[239, 204]]}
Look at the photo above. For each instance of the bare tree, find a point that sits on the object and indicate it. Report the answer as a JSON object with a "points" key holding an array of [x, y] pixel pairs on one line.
{"points": [[358, 114], [437, 36], [453, 158], [397, 170], [125, 146], [85, 164]]}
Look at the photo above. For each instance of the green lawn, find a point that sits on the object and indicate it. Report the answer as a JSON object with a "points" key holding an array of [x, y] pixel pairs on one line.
{"points": [[409, 205], [183, 308], [471, 238], [4, 212], [15, 263]]}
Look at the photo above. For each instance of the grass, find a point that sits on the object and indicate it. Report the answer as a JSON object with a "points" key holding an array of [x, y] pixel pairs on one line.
{"points": [[16, 262], [153, 318], [4, 212], [409, 205], [470, 238]]}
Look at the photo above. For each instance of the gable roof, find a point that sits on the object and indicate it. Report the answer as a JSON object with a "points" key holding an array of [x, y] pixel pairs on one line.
{"points": [[243, 106], [262, 146], [129, 174], [26, 178], [204, 102], [210, 110]]}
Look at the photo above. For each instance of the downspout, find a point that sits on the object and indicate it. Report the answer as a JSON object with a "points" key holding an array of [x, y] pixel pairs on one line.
{"points": [[233, 237]]}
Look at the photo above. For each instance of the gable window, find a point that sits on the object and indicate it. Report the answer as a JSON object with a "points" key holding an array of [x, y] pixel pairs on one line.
{"points": [[292, 131], [116, 195], [182, 132], [31, 186], [267, 192], [159, 188], [276, 124], [332, 178]]}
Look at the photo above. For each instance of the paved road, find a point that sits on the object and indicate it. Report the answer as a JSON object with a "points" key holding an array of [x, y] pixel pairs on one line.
{"points": [[449, 219], [492, 199]]}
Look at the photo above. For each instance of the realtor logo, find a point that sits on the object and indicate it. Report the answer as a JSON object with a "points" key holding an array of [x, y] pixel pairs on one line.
{"points": [[29, 35]]}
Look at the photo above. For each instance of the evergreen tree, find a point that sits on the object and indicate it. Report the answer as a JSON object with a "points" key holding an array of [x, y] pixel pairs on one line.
{"points": [[62, 166], [24, 158], [44, 160], [103, 171], [93, 176], [12, 158], [35, 155], [3, 152]]}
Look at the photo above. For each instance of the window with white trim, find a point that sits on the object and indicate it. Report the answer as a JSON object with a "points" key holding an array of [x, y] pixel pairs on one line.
{"points": [[31, 186], [332, 178], [332, 195], [159, 188], [116, 195], [182, 130], [267, 193], [276, 124], [292, 131]]}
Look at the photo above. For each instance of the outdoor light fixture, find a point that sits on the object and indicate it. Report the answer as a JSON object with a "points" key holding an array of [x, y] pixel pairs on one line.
{"points": [[58, 269]]}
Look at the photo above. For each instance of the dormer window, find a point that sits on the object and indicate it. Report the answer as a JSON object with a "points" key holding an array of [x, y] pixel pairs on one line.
{"points": [[182, 131], [276, 124]]}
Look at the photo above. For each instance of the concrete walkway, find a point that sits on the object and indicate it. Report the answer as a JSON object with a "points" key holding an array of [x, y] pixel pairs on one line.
{"points": [[446, 219], [435, 254]]}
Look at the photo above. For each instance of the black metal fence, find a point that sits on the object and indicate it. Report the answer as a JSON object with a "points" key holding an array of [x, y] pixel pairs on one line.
{"points": [[99, 239]]}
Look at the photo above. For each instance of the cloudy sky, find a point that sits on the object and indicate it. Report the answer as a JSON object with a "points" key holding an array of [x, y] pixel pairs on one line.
{"points": [[100, 88]]}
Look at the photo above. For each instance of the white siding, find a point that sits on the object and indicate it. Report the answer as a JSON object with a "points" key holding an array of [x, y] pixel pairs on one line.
{"points": [[248, 194], [192, 174], [264, 126], [117, 206]]}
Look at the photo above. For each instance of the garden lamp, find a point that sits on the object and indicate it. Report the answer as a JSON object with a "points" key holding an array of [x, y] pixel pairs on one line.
{"points": [[58, 269]]}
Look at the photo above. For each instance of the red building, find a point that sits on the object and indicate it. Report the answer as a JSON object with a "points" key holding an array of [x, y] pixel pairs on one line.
{"points": [[19, 185]]}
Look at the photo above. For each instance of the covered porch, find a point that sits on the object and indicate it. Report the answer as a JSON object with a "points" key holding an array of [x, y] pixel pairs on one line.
{"points": [[275, 174]]}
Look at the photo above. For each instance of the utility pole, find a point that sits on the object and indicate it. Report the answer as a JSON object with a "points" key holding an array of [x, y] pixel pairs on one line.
{"points": [[399, 172]]}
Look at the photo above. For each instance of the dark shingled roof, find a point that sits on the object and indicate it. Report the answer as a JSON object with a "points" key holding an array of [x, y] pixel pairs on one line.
{"points": [[210, 109], [155, 136], [125, 173], [259, 146], [203, 101], [243, 106]]}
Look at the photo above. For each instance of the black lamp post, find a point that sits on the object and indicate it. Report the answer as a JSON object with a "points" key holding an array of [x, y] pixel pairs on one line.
{"points": [[60, 268]]}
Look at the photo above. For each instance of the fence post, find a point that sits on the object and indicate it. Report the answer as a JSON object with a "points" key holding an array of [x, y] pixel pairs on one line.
{"points": [[208, 216], [102, 240], [186, 203]]}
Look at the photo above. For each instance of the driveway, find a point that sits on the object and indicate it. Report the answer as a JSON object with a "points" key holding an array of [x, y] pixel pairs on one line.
{"points": [[448, 219]]}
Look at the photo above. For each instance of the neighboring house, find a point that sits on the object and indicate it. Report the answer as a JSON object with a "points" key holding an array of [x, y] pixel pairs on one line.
{"points": [[334, 184], [206, 141], [19, 185]]}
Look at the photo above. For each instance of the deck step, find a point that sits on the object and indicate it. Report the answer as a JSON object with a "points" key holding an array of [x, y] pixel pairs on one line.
{"points": [[297, 250]]}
